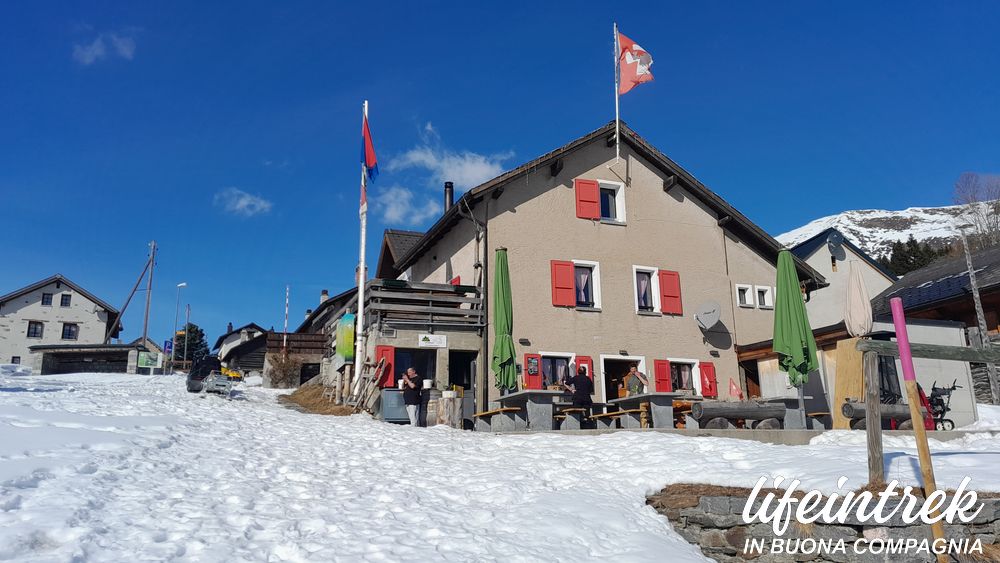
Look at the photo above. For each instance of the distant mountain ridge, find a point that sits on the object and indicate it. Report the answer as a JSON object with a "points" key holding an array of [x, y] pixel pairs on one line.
{"points": [[874, 230]]}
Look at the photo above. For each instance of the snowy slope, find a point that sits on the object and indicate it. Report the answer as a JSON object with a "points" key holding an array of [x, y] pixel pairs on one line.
{"points": [[874, 230], [133, 468]]}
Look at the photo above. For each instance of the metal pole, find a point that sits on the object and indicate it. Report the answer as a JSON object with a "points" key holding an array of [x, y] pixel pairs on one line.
{"points": [[284, 334], [359, 337], [149, 290], [187, 330], [121, 312], [617, 114], [991, 369], [173, 335]]}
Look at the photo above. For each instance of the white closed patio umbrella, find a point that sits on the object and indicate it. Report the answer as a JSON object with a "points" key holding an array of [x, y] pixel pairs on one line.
{"points": [[858, 307]]}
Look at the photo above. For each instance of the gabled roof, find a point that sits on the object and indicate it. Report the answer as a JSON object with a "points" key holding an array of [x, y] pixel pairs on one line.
{"points": [[336, 301], [940, 281], [395, 245], [244, 347], [806, 248], [58, 278], [735, 221], [254, 326]]}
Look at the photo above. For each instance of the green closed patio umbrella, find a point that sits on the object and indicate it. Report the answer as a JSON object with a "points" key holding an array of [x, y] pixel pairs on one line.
{"points": [[503, 367], [793, 338]]}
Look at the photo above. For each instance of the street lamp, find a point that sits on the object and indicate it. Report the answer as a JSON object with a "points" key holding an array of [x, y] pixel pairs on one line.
{"points": [[173, 337]]}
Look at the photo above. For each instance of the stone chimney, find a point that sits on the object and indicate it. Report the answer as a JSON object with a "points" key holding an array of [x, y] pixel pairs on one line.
{"points": [[229, 328], [308, 312], [323, 295]]}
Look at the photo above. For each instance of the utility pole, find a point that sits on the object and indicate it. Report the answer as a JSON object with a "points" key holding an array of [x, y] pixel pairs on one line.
{"points": [[284, 334], [149, 290], [187, 330], [991, 369]]}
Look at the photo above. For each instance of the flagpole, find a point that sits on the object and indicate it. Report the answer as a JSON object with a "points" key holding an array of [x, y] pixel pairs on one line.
{"points": [[359, 337], [617, 114]]}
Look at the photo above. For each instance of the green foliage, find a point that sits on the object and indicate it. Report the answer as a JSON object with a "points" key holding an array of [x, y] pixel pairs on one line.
{"points": [[197, 346], [911, 255]]}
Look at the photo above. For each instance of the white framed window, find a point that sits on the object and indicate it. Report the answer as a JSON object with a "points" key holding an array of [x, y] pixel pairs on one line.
{"points": [[764, 295], [612, 196], [646, 289], [557, 367], [587, 277], [685, 373], [744, 295]]}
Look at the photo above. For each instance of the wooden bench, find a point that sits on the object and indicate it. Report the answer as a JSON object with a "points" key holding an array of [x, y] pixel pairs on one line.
{"points": [[606, 420], [814, 419], [485, 421], [571, 417]]}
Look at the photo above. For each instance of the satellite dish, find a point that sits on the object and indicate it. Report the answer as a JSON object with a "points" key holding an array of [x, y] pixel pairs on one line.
{"points": [[835, 242], [708, 314]]}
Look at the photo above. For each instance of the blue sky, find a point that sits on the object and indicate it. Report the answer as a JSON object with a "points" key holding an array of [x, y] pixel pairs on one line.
{"points": [[229, 132]]}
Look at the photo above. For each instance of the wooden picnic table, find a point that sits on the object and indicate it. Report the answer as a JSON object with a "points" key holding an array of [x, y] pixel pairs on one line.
{"points": [[661, 407], [537, 404]]}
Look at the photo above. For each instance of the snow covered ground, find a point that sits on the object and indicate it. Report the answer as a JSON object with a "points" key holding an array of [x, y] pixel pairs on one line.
{"points": [[989, 418], [133, 468]]}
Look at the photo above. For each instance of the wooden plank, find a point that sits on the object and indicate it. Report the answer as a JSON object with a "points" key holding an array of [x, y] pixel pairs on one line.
{"points": [[446, 288], [933, 351], [409, 295], [849, 380], [426, 309]]}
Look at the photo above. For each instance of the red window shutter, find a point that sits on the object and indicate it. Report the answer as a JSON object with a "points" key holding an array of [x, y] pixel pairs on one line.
{"points": [[709, 384], [563, 284], [661, 376], [457, 280], [670, 293], [532, 371], [389, 353], [586, 362], [588, 199]]}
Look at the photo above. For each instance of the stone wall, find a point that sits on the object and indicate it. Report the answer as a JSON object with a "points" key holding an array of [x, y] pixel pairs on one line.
{"points": [[711, 518]]}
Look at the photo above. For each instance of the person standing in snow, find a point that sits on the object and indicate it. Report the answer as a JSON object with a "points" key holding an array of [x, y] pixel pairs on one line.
{"points": [[413, 385]]}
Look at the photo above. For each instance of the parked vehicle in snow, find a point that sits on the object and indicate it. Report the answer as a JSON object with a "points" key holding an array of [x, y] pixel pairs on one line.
{"points": [[200, 372]]}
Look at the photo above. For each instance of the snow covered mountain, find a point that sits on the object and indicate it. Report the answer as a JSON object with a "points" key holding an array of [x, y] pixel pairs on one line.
{"points": [[874, 230]]}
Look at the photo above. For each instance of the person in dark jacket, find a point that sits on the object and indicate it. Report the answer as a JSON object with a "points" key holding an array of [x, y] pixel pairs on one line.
{"points": [[413, 385], [581, 386]]}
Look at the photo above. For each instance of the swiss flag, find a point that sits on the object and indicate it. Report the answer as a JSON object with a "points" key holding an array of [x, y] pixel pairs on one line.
{"points": [[633, 64]]}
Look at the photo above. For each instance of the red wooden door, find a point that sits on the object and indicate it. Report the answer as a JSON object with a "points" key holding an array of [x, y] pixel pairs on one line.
{"points": [[532, 371], [661, 376], [709, 384], [389, 353]]}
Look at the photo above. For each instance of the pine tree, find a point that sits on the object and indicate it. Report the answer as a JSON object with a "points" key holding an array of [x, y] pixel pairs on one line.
{"points": [[911, 255], [197, 346]]}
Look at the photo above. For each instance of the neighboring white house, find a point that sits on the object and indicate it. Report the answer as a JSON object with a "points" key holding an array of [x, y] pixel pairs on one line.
{"points": [[834, 261], [234, 337], [51, 311]]}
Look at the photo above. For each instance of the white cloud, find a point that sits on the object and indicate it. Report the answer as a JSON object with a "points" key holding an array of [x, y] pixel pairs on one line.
{"points": [[467, 169], [238, 202], [122, 45], [90, 54], [397, 205]]}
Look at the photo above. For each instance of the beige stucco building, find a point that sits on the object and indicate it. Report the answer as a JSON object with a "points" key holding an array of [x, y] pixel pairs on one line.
{"points": [[51, 311], [609, 261]]}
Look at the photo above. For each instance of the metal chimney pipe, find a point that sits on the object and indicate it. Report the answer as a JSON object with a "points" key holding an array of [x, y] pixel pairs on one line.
{"points": [[324, 295], [449, 195]]}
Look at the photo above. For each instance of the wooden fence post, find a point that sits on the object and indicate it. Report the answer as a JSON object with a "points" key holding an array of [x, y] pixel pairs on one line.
{"points": [[873, 420]]}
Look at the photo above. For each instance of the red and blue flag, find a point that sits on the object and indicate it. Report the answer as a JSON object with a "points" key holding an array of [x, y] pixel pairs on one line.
{"points": [[368, 151]]}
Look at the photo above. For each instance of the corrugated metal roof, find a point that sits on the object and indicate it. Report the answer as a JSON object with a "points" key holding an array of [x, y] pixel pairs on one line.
{"points": [[945, 279]]}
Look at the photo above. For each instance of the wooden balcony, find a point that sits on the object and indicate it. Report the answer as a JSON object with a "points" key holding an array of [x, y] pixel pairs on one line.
{"points": [[423, 306]]}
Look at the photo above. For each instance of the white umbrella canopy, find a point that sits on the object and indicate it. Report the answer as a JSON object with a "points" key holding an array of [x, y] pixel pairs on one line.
{"points": [[858, 308]]}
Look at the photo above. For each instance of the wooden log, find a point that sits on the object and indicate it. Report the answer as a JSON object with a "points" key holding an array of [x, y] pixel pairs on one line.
{"points": [[933, 351], [855, 411], [719, 423], [449, 412], [768, 424], [873, 419], [742, 409]]}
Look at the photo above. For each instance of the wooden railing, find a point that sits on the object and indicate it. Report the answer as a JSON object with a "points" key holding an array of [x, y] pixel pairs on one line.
{"points": [[402, 304]]}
